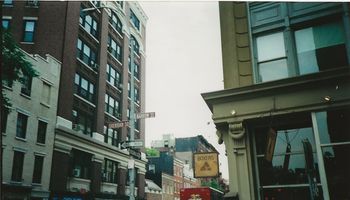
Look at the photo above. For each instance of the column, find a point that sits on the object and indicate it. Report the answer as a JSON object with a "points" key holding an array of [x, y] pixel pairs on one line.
{"points": [[96, 169], [122, 176]]}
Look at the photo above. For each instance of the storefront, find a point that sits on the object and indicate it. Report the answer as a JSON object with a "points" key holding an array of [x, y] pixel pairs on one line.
{"points": [[285, 169], [287, 139]]}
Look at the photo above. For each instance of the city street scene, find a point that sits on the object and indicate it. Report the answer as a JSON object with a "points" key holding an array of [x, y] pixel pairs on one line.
{"points": [[175, 100]]}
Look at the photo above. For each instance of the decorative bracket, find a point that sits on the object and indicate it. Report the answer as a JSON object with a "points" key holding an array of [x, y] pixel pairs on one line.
{"points": [[236, 131]]}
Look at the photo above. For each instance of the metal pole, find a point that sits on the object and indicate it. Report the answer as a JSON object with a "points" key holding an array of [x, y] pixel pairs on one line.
{"points": [[132, 117]]}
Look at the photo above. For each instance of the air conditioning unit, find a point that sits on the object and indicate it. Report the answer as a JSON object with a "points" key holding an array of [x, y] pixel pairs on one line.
{"points": [[109, 48], [138, 102], [76, 172], [33, 3], [120, 86], [95, 66]]}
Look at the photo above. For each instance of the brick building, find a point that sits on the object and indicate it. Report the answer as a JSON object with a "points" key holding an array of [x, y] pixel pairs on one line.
{"points": [[94, 49]]}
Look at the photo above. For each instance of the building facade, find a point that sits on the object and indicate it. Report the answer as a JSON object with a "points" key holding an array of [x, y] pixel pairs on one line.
{"points": [[28, 129], [153, 191], [92, 39], [286, 103], [167, 187], [178, 177]]}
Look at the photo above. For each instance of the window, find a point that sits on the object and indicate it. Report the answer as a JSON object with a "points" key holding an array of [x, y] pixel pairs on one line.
{"points": [[28, 35], [136, 68], [5, 23], [308, 39], [121, 3], [315, 45], [7, 2], [89, 24], [42, 126], [272, 60], [84, 88], [136, 95], [38, 169], [116, 23], [114, 48], [333, 127], [83, 122], [21, 129], [136, 45], [135, 21], [26, 85], [112, 106], [81, 164], [33, 3], [4, 116], [45, 93], [113, 76], [109, 171], [17, 166], [129, 90], [111, 136], [86, 54]]}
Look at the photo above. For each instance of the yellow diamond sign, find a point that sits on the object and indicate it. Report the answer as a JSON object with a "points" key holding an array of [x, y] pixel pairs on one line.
{"points": [[206, 164]]}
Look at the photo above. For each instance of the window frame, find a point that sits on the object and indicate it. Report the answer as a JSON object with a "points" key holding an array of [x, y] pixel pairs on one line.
{"points": [[30, 32], [117, 76], [116, 52], [38, 169], [17, 166], [87, 26], [288, 26], [115, 109], [41, 132], [21, 126], [90, 60], [80, 90]]}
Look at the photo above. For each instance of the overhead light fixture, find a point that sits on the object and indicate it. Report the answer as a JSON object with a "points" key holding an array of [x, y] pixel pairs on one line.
{"points": [[327, 98]]}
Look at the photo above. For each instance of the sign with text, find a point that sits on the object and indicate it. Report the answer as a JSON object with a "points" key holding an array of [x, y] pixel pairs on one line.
{"points": [[206, 164], [134, 144], [118, 124], [145, 115]]}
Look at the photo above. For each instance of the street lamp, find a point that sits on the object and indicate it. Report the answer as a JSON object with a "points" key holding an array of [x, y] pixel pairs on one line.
{"points": [[132, 103]]}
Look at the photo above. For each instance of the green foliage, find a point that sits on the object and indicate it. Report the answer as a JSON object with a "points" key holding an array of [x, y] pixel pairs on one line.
{"points": [[14, 65], [150, 152], [212, 183]]}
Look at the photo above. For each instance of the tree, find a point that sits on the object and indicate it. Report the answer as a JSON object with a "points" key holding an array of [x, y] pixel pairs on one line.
{"points": [[14, 66]]}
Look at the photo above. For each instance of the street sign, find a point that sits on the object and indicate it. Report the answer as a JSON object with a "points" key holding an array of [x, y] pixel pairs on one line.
{"points": [[118, 124], [145, 115], [206, 164], [134, 144]]}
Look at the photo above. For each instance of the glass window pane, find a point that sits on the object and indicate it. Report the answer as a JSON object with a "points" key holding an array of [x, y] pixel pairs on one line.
{"points": [[337, 165], [273, 70], [76, 79], [270, 46], [86, 50], [84, 84], [315, 45], [91, 88], [334, 126], [29, 26], [79, 44]]}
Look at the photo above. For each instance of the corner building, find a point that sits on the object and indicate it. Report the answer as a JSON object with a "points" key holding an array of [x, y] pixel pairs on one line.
{"points": [[284, 114], [95, 50]]}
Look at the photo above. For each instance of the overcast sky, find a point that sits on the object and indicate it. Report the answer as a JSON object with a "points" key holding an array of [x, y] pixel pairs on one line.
{"points": [[183, 60]]}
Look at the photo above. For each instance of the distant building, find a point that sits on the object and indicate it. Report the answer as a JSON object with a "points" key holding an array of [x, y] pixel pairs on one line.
{"points": [[152, 190], [285, 111], [188, 180], [167, 187], [185, 147], [28, 131], [178, 177]]}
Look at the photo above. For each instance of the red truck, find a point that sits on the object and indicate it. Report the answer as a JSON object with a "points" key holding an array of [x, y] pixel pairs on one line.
{"points": [[203, 193]]}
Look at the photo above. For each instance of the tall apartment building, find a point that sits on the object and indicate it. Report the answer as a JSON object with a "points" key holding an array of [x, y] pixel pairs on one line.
{"points": [[285, 111], [92, 40], [28, 128]]}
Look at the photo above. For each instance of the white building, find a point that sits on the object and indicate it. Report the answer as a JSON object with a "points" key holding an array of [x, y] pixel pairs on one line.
{"points": [[28, 131]]}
